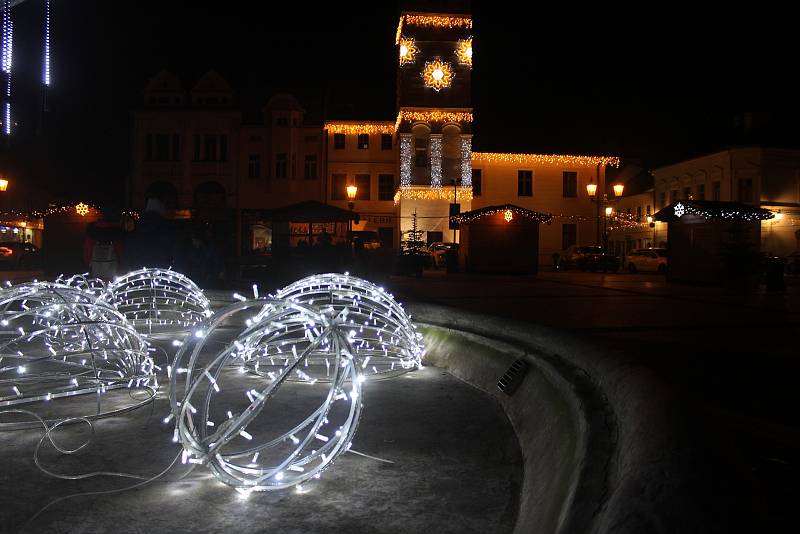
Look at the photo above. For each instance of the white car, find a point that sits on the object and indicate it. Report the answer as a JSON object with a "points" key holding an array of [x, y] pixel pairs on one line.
{"points": [[647, 259]]}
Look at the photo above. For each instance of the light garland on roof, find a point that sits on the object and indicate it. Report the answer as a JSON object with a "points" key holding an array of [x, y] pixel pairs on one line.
{"points": [[58, 341], [436, 160], [158, 300], [434, 21], [217, 432], [385, 338], [544, 159], [405, 161], [464, 51], [506, 210], [360, 127], [433, 116], [463, 194], [408, 51], [437, 74], [754, 214]]}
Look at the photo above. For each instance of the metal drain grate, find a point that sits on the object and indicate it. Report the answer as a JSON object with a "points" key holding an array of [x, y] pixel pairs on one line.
{"points": [[512, 378]]}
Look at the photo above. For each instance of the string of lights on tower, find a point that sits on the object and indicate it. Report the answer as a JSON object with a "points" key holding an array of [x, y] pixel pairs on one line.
{"points": [[7, 52]]}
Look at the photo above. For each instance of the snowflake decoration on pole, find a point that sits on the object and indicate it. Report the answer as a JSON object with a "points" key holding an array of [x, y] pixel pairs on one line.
{"points": [[437, 74], [408, 51], [679, 210], [82, 209], [464, 51], [508, 215]]}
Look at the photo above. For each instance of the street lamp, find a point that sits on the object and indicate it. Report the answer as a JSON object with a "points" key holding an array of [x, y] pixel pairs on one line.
{"points": [[351, 196], [618, 189], [652, 224], [3, 184], [591, 190]]}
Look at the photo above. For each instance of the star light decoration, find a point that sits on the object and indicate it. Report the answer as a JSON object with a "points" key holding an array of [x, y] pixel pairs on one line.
{"points": [[159, 301], [58, 341], [437, 74], [508, 215], [314, 335], [408, 50], [464, 51]]}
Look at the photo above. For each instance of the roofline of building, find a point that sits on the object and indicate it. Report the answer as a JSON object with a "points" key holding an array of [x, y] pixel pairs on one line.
{"points": [[723, 151]]}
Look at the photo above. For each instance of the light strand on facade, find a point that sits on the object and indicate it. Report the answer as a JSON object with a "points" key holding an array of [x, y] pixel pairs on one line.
{"points": [[463, 194], [6, 60], [436, 161], [433, 117], [544, 159], [360, 127], [434, 21], [405, 161], [466, 161], [46, 75]]}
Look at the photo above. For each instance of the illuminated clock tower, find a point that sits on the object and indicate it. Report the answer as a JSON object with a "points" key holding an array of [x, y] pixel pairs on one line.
{"points": [[434, 119]]}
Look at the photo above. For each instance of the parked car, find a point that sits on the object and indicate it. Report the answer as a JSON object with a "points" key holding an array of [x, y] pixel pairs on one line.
{"points": [[587, 258], [438, 253], [369, 240], [16, 255], [647, 259]]}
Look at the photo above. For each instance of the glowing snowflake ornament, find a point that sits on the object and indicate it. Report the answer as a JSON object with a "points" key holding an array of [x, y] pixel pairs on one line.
{"points": [[437, 74], [159, 300], [679, 210], [464, 51], [408, 51]]}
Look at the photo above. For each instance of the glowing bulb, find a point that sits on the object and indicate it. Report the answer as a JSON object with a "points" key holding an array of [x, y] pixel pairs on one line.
{"points": [[469, 52], [437, 74], [403, 50], [508, 215]]}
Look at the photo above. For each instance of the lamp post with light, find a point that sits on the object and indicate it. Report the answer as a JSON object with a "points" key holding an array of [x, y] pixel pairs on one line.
{"points": [[591, 190], [3, 188], [352, 190]]}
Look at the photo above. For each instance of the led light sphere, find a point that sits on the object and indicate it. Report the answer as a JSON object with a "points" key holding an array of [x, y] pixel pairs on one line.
{"points": [[159, 301], [59, 341], [384, 337], [224, 415], [84, 282]]}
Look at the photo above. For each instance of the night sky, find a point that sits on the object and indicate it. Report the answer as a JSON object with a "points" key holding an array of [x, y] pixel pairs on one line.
{"points": [[650, 88]]}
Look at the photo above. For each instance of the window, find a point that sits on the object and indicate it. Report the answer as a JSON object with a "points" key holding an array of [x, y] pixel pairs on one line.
{"points": [[280, 165], [433, 237], [716, 188], [339, 187], [162, 147], [310, 167], [148, 154], [638, 214], [223, 148], [420, 152], [385, 187], [338, 141], [362, 182], [197, 144], [662, 199], [745, 190], [701, 191], [648, 209], [570, 179], [673, 196], [569, 235], [477, 185], [386, 141], [176, 147], [687, 193], [525, 183], [363, 141], [254, 166], [210, 148]]}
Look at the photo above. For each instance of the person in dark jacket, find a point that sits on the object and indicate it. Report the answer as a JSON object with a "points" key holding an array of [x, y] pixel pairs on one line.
{"points": [[155, 242]]}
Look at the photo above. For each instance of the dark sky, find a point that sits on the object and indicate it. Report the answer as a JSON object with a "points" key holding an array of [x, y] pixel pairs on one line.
{"points": [[651, 88]]}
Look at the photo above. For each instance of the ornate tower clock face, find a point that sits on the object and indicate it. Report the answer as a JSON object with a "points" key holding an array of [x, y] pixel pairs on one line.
{"points": [[438, 74]]}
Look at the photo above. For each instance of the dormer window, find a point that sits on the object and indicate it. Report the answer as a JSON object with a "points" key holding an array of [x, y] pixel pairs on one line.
{"points": [[282, 121]]}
